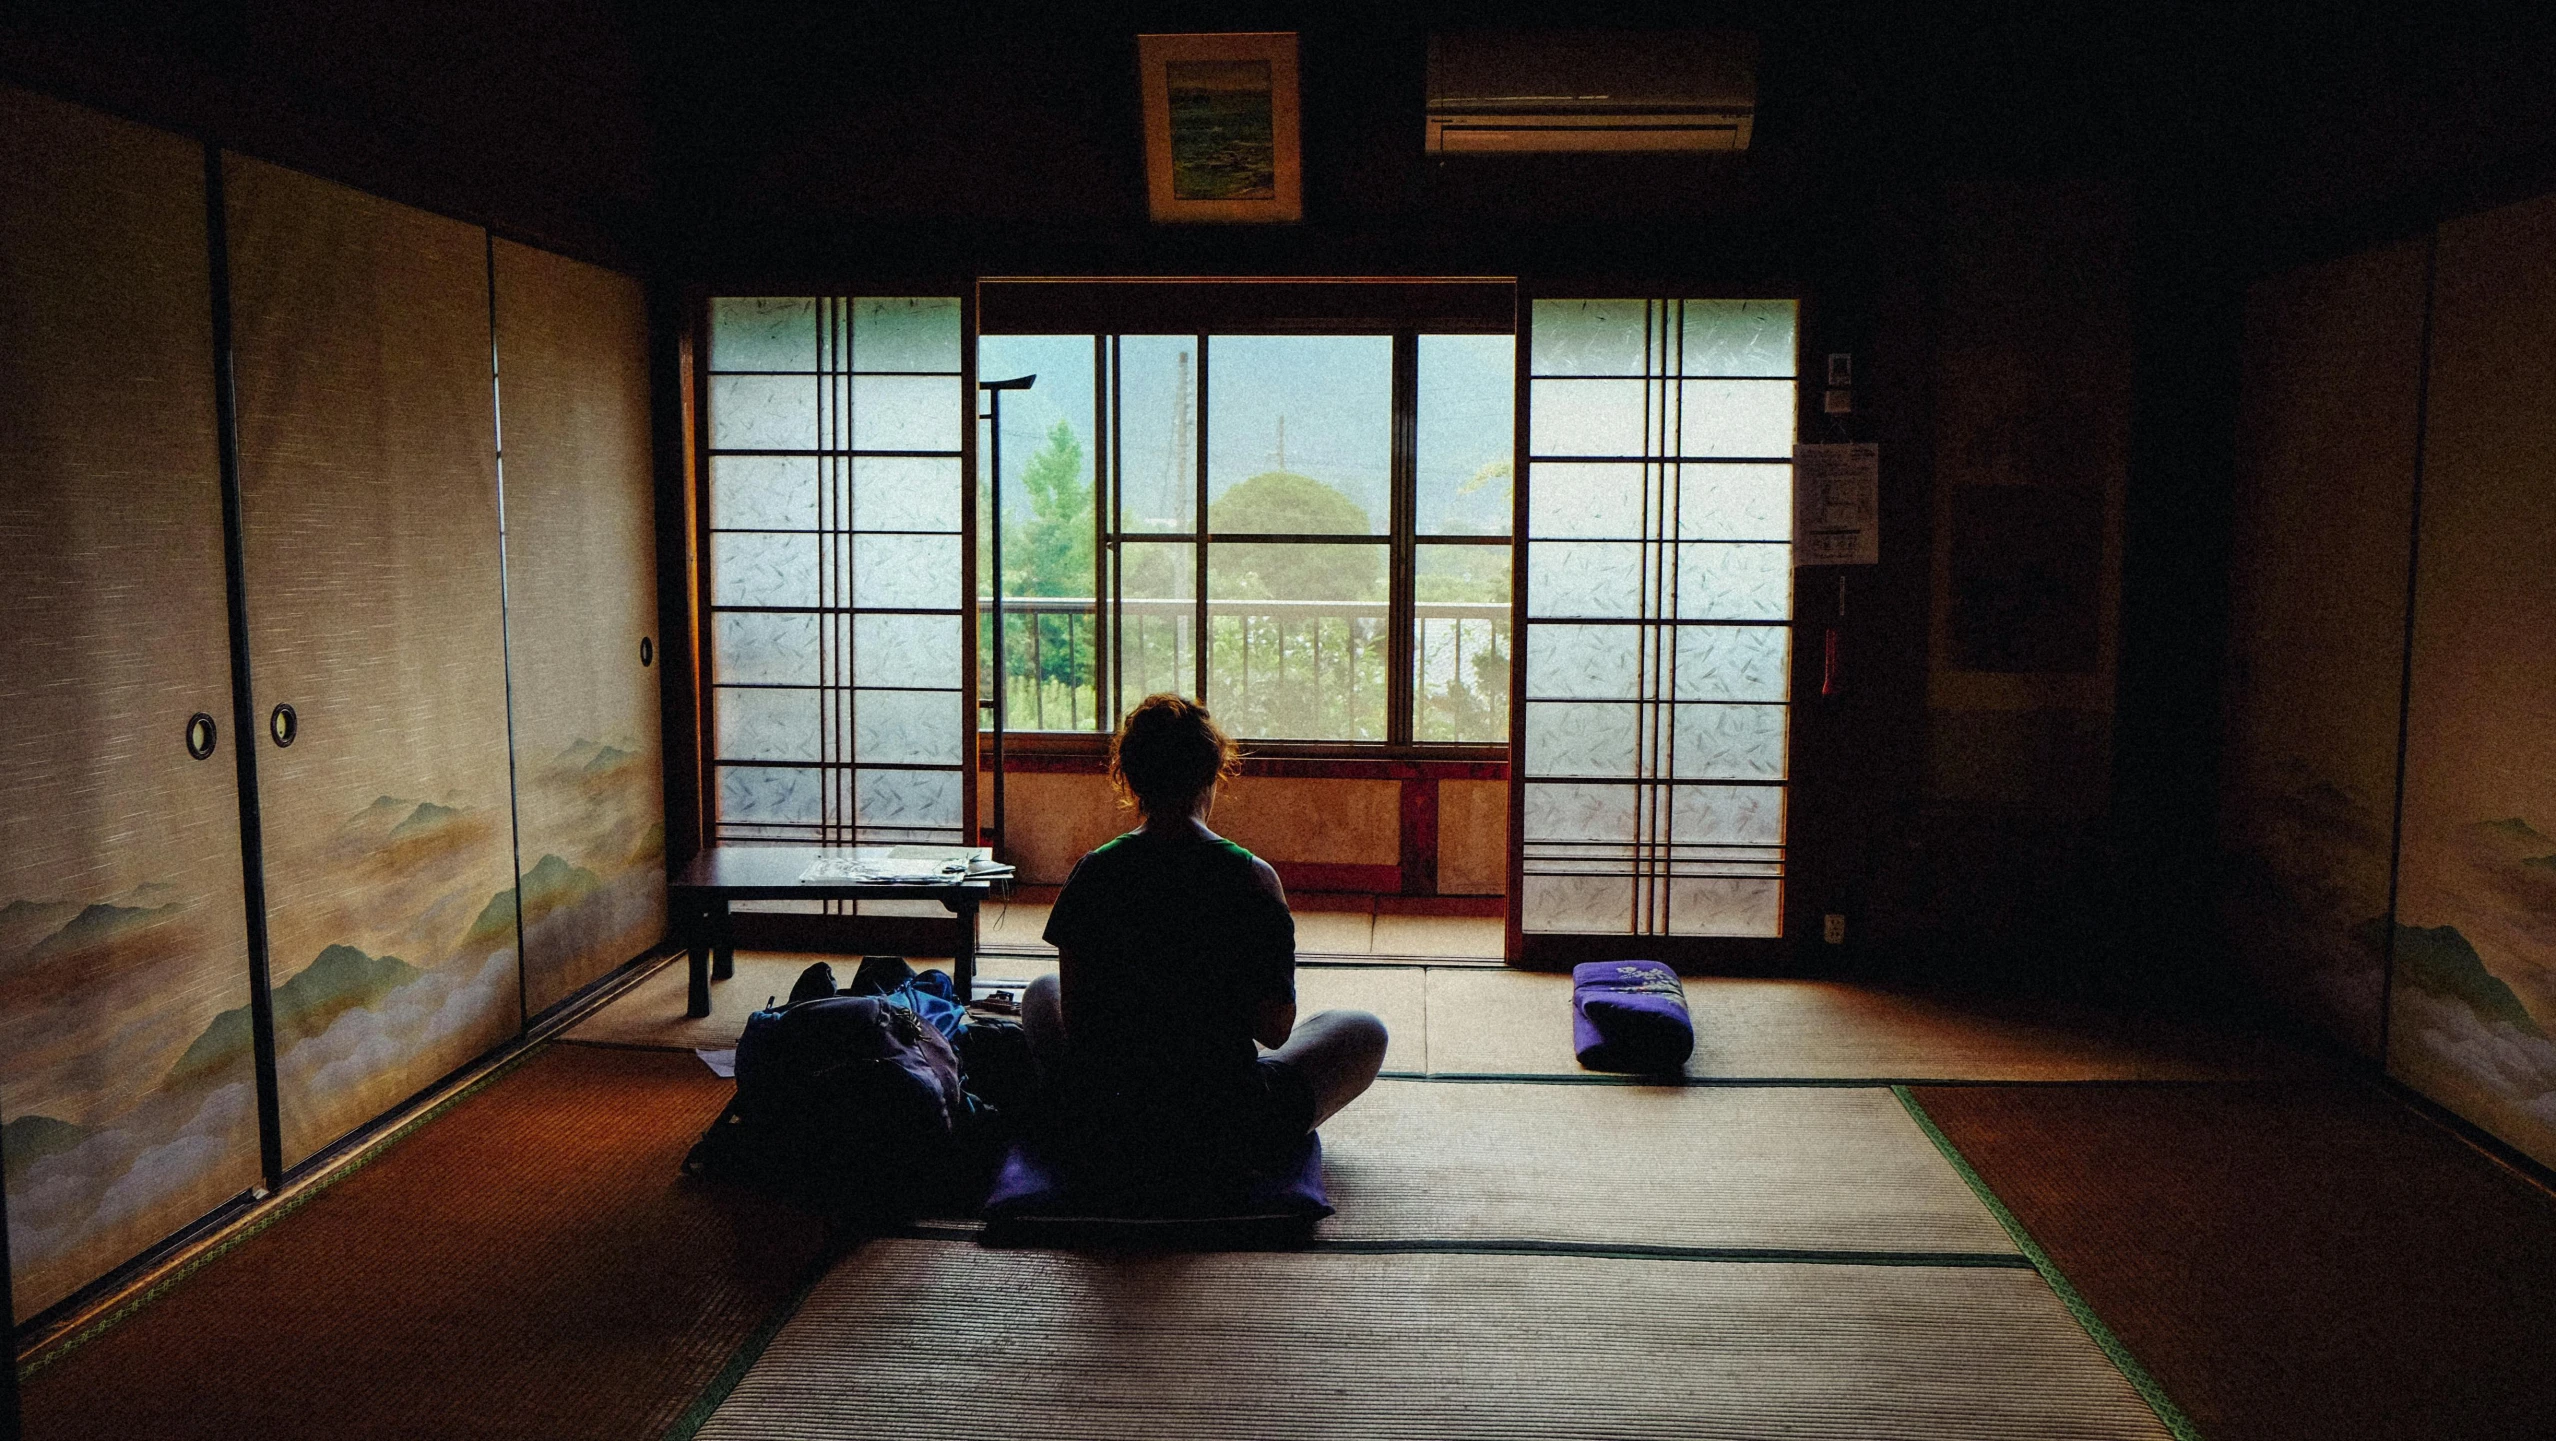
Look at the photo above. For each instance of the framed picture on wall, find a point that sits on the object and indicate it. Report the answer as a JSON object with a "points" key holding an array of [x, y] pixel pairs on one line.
{"points": [[1220, 127]]}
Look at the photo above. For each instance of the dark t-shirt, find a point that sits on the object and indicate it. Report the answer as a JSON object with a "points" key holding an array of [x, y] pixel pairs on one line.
{"points": [[1177, 942]]}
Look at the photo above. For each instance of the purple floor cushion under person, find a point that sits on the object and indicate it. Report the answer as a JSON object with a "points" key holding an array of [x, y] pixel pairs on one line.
{"points": [[1630, 1016], [1033, 1204]]}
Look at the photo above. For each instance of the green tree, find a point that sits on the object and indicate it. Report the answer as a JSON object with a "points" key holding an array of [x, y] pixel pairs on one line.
{"points": [[1049, 553], [1281, 502], [1053, 551]]}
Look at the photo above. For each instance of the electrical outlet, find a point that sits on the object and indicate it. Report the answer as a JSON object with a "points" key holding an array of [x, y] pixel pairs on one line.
{"points": [[1832, 929]]}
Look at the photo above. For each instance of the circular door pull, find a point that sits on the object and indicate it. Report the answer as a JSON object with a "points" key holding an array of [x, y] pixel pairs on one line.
{"points": [[283, 725], [647, 652], [200, 735]]}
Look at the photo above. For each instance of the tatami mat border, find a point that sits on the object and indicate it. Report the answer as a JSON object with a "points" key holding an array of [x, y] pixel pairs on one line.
{"points": [[2168, 1413]]}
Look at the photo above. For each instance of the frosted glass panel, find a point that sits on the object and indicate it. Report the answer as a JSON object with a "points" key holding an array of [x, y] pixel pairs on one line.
{"points": [[1736, 418], [905, 334], [1733, 662], [1598, 578], [758, 648], [1655, 747], [1591, 417], [777, 570], [909, 727], [1584, 662], [1573, 811], [844, 527], [1735, 502], [1734, 582], [907, 800], [767, 412], [1725, 906], [900, 492], [1707, 815], [763, 492], [764, 795], [1581, 738], [1568, 500], [1737, 337], [1590, 337], [1463, 431], [905, 650], [767, 725], [906, 571], [1729, 742], [905, 412], [1599, 904], [756, 333]]}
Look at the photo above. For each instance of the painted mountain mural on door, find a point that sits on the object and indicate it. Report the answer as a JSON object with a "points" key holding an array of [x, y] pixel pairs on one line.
{"points": [[581, 602], [2474, 1002]]}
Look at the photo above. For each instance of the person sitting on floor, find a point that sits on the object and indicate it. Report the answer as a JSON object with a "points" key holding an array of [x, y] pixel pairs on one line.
{"points": [[1175, 952]]}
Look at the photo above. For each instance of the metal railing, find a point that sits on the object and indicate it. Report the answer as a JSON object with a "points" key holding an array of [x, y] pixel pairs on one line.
{"points": [[1309, 669]]}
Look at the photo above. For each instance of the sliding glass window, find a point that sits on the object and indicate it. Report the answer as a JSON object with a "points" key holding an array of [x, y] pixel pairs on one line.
{"points": [[1351, 581]]}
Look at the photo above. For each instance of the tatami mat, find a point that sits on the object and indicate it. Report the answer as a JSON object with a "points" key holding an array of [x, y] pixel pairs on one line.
{"points": [[1395, 995], [1505, 1022], [1441, 937], [923, 1339], [1789, 1168]]}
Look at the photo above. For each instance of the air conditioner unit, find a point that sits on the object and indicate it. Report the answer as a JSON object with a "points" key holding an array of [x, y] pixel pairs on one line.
{"points": [[1513, 92]]}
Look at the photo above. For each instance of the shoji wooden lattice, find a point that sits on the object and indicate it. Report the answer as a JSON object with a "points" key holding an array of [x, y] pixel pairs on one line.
{"points": [[1658, 601], [837, 591]]}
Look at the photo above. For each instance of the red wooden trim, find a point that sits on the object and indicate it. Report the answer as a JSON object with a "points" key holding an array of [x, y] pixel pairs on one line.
{"points": [[1419, 852], [1326, 876]]}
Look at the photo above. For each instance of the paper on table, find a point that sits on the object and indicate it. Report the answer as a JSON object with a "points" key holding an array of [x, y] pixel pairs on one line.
{"points": [[873, 867], [721, 1062]]}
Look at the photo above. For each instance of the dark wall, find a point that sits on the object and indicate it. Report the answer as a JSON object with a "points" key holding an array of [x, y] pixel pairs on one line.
{"points": [[526, 117], [775, 144]]}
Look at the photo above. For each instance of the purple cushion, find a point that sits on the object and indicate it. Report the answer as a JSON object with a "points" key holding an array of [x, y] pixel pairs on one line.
{"points": [[1033, 1201], [1630, 1016]]}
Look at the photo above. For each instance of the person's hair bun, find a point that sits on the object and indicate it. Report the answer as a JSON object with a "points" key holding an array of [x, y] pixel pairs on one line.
{"points": [[1167, 752]]}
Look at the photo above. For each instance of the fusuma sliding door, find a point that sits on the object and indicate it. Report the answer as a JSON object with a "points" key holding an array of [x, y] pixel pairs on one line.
{"points": [[1656, 595], [581, 604], [124, 978], [837, 583], [368, 479]]}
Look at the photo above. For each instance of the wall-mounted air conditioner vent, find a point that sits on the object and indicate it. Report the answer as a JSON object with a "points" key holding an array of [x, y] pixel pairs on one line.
{"points": [[1508, 92]]}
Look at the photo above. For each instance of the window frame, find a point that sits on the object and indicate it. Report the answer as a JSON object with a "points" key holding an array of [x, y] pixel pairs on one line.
{"points": [[1240, 309]]}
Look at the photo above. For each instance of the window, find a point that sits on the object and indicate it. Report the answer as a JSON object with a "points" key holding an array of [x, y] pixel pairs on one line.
{"points": [[836, 600], [1657, 657], [1351, 580]]}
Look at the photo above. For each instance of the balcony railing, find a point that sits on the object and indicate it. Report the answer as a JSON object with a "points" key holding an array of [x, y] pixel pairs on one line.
{"points": [[1294, 669]]}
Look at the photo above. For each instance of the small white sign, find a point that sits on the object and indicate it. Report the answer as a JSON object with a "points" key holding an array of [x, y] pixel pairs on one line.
{"points": [[1836, 505]]}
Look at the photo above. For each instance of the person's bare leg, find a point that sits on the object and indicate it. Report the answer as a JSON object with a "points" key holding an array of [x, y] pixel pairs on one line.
{"points": [[1043, 1020], [1338, 1051]]}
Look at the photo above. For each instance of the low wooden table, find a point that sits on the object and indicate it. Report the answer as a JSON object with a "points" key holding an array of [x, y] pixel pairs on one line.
{"points": [[700, 899]]}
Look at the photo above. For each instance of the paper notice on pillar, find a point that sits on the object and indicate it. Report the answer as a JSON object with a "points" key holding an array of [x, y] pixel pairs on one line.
{"points": [[1836, 505]]}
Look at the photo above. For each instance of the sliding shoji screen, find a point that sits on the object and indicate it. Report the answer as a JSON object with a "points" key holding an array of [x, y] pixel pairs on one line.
{"points": [[837, 593], [1658, 606]]}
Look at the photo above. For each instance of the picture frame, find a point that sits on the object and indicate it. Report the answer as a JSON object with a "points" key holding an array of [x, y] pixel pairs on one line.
{"points": [[1221, 127]]}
